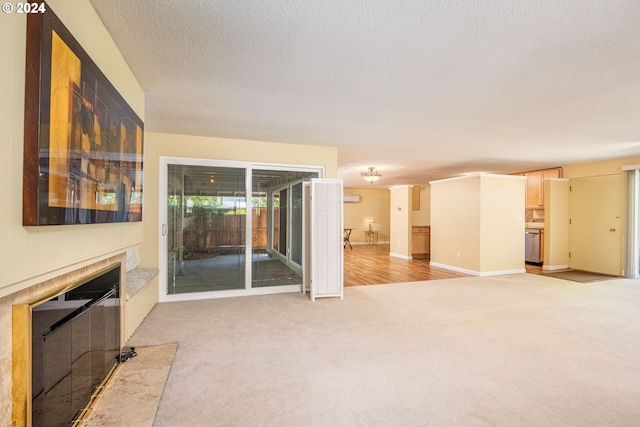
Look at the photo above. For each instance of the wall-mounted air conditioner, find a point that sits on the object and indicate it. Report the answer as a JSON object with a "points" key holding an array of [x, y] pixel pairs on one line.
{"points": [[351, 198]]}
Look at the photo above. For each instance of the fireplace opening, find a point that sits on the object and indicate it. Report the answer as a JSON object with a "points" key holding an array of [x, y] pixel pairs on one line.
{"points": [[75, 346]]}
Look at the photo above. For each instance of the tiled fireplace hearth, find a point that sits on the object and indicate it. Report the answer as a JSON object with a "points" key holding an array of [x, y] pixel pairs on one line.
{"points": [[73, 329]]}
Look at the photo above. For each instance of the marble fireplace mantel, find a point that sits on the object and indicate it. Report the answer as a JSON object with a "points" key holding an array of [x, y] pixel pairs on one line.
{"points": [[22, 302]]}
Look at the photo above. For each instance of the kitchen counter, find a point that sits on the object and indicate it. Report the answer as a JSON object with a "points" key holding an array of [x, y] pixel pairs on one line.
{"points": [[537, 225]]}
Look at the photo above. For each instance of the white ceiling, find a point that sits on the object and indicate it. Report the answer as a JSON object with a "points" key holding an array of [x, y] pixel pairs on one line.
{"points": [[421, 90]]}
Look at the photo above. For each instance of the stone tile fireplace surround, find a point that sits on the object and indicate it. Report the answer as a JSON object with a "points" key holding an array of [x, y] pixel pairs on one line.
{"points": [[138, 295], [16, 307]]}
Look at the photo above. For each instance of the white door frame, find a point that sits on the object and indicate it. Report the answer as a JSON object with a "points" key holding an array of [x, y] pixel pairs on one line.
{"points": [[165, 161]]}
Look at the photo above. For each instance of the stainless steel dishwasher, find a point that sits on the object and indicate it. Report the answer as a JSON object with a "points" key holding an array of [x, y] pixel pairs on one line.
{"points": [[532, 245]]}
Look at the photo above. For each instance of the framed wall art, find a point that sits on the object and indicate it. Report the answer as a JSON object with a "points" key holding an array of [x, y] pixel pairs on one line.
{"points": [[83, 142]]}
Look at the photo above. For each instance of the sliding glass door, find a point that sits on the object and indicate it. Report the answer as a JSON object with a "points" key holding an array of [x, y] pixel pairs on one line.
{"points": [[296, 224], [206, 229], [279, 262], [207, 245], [281, 218]]}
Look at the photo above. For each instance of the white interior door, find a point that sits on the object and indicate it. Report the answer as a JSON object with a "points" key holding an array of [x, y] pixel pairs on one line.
{"points": [[596, 224]]}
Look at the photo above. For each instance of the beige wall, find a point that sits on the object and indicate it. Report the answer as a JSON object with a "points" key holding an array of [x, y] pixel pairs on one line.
{"points": [[197, 147], [502, 224], [422, 217], [455, 223], [400, 222], [32, 255], [605, 167], [477, 224], [374, 204], [556, 224], [38, 253]]}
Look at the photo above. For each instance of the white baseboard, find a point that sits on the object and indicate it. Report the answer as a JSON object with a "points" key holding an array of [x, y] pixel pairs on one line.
{"points": [[555, 267], [453, 268], [400, 255], [478, 273], [368, 244]]}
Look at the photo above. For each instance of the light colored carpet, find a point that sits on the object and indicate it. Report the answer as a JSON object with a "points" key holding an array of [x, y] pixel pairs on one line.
{"points": [[132, 395], [518, 350]]}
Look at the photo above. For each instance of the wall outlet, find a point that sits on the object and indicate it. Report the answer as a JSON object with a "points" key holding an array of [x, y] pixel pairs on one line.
{"points": [[457, 254]]}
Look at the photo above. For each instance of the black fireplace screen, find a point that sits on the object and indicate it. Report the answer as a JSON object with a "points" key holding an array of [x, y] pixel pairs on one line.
{"points": [[76, 343]]}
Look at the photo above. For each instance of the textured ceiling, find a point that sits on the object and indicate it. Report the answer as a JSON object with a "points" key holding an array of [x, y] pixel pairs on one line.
{"points": [[421, 90]]}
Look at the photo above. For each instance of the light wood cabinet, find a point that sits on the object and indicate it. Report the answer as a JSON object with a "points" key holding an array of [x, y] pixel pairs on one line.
{"points": [[535, 185], [421, 242], [534, 190]]}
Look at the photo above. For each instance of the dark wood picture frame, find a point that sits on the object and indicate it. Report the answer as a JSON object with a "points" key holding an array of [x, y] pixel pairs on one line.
{"points": [[82, 141]]}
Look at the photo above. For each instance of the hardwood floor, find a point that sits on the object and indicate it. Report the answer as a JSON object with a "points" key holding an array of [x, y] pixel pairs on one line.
{"points": [[537, 269], [372, 265]]}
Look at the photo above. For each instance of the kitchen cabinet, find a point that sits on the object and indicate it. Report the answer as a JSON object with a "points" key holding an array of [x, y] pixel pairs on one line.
{"points": [[534, 190], [421, 242], [535, 185]]}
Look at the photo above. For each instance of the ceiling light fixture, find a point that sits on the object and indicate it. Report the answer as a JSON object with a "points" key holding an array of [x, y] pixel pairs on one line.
{"points": [[371, 175]]}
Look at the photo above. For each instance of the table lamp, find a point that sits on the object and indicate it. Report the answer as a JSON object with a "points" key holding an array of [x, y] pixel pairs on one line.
{"points": [[369, 221]]}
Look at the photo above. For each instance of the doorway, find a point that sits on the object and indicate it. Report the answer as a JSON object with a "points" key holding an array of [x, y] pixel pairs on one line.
{"points": [[278, 261], [206, 228], [216, 241]]}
